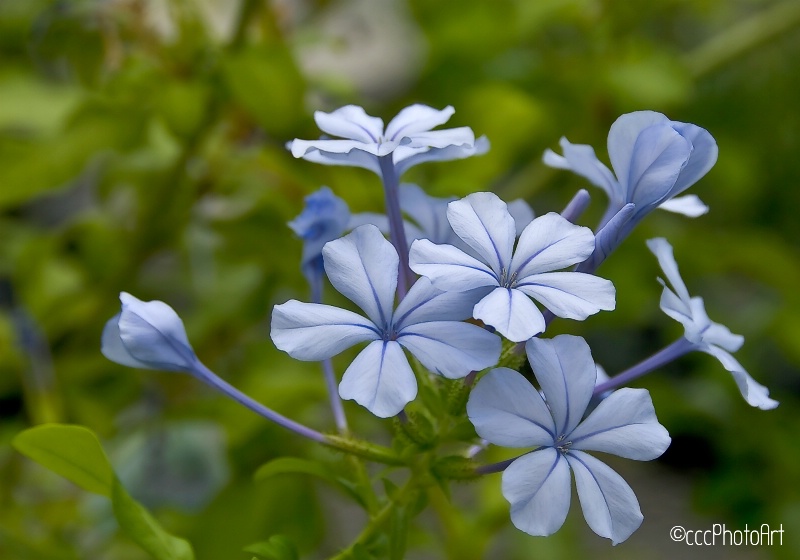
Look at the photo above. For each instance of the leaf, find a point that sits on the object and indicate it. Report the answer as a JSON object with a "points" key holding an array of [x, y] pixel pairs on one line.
{"points": [[137, 522], [74, 452], [277, 547], [293, 465]]}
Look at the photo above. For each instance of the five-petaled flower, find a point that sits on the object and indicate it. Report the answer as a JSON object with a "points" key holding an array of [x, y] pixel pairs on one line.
{"points": [[654, 159], [407, 139], [363, 266], [701, 332], [548, 243], [508, 411]]}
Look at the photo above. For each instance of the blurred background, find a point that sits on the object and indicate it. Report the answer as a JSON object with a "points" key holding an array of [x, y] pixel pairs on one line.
{"points": [[142, 149]]}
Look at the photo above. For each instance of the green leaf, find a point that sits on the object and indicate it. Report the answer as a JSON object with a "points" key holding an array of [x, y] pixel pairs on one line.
{"points": [[74, 452], [137, 522], [277, 547], [294, 465]]}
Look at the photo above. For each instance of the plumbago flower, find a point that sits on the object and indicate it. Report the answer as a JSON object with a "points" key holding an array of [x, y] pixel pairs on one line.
{"points": [[408, 139], [548, 243], [701, 333], [654, 158], [363, 266], [507, 410]]}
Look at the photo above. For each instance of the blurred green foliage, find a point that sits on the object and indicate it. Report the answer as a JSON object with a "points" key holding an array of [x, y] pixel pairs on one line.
{"points": [[142, 149]]}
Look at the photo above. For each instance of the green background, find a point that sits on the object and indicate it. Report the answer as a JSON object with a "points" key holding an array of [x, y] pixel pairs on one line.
{"points": [[142, 149]]}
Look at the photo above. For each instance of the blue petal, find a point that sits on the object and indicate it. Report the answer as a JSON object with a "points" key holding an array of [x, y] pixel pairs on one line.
{"points": [[362, 266], [304, 148], [324, 218], [572, 295], [622, 138], [417, 118], [522, 213], [661, 248], [405, 157], [380, 379], [551, 243], [313, 331], [450, 348], [352, 158], [512, 313], [438, 139], [350, 121], [703, 158], [430, 213], [506, 410], [581, 159], [564, 368], [658, 157], [112, 347], [623, 424], [609, 505], [449, 268], [153, 334], [689, 205], [538, 487], [424, 303], [753, 392], [483, 222]]}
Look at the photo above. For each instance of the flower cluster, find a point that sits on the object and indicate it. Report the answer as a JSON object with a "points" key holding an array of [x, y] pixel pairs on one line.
{"points": [[454, 309]]}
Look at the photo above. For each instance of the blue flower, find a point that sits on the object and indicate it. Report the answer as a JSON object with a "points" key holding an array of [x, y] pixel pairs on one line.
{"points": [[363, 266], [507, 410], [408, 138], [704, 334], [654, 159], [325, 217], [548, 243], [148, 335]]}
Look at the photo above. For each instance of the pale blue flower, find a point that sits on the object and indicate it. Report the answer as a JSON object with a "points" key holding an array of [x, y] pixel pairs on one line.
{"points": [[548, 243], [508, 411], [654, 159], [704, 334], [148, 335], [408, 138], [363, 266]]}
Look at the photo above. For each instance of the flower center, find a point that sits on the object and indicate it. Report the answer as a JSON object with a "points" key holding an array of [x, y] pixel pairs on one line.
{"points": [[507, 279], [561, 445]]}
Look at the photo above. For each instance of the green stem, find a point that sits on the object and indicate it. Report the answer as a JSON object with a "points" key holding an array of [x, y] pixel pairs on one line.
{"points": [[364, 449], [742, 37]]}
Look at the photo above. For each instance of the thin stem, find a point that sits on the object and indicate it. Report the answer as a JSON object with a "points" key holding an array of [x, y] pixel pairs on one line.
{"points": [[397, 232], [495, 467], [664, 356], [337, 409], [210, 378], [576, 206]]}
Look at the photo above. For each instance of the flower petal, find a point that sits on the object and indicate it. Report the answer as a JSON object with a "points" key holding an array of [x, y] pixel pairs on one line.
{"points": [[538, 487], [623, 424], [572, 295], [430, 213], [689, 205], [112, 347], [353, 158], [417, 118], [324, 218], [314, 331], [483, 222], [703, 158], [753, 392], [380, 379], [522, 213], [363, 267], [512, 313], [658, 157], [550, 242], [350, 121], [622, 138], [609, 505], [303, 148], [152, 334], [451, 348], [405, 157], [508, 411], [461, 136], [581, 160], [424, 303], [564, 368], [449, 268], [661, 248]]}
